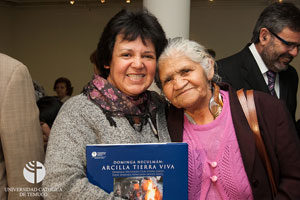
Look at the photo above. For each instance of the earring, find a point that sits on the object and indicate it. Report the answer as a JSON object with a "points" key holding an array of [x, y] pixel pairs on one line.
{"points": [[214, 108], [216, 102]]}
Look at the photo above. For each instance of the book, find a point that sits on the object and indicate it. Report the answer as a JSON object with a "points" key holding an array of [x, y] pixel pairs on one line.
{"points": [[152, 171]]}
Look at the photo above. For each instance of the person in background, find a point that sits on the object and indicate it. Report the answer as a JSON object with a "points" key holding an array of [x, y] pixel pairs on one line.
{"points": [[264, 64], [38, 90], [49, 107], [63, 88], [20, 133], [114, 108], [223, 160]]}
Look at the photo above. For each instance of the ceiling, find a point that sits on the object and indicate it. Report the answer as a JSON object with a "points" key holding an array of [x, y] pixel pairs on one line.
{"points": [[53, 2], [78, 2]]}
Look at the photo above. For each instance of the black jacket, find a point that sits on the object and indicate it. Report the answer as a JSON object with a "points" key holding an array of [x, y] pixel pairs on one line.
{"points": [[241, 71]]}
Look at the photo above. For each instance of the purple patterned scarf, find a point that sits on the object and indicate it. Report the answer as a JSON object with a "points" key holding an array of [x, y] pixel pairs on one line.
{"points": [[115, 103]]}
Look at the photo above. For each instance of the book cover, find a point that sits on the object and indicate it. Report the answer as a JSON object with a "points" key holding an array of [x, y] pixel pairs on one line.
{"points": [[153, 171]]}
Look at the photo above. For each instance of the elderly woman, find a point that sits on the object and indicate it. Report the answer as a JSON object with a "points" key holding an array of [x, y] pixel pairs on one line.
{"points": [[114, 108], [223, 160]]}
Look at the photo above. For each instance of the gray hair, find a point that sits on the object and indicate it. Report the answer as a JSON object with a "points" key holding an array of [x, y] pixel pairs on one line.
{"points": [[194, 51], [276, 17]]}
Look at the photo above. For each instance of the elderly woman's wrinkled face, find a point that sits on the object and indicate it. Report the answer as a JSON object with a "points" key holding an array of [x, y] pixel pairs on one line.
{"points": [[184, 82], [132, 67]]}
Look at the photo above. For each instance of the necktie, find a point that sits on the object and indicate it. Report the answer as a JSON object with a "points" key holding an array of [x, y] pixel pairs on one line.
{"points": [[271, 82]]}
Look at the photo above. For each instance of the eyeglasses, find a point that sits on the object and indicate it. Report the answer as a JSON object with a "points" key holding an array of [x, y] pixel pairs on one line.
{"points": [[290, 45]]}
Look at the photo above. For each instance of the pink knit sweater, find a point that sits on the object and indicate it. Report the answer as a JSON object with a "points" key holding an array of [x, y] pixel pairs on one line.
{"points": [[216, 170]]}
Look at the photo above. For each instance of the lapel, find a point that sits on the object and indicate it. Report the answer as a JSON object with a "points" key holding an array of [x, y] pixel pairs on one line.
{"points": [[250, 72], [283, 86], [243, 132]]}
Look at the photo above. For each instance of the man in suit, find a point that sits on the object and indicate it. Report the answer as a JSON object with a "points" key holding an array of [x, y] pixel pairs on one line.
{"points": [[264, 64], [20, 133]]}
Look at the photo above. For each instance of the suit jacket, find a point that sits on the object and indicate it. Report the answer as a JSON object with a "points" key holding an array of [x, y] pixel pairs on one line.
{"points": [[279, 135], [20, 132], [241, 71]]}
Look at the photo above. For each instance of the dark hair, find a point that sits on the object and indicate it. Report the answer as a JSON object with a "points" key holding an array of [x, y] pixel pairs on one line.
{"points": [[93, 58], [275, 17], [48, 107], [211, 52], [38, 90], [132, 25], [67, 82]]}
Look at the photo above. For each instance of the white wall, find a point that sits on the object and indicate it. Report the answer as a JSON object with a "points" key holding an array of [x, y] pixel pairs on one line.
{"points": [[224, 28], [5, 29], [57, 41]]}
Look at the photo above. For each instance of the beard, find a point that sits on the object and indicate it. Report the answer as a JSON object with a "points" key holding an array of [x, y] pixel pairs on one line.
{"points": [[274, 60]]}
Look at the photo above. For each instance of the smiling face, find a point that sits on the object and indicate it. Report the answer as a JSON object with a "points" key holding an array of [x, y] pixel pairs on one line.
{"points": [[132, 67], [185, 83], [276, 54]]}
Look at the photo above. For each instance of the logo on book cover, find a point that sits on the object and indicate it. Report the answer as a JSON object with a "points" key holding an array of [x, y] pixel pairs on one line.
{"points": [[98, 155], [94, 154], [34, 172]]}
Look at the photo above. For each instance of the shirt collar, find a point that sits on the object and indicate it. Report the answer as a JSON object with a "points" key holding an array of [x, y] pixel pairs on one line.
{"points": [[263, 68]]}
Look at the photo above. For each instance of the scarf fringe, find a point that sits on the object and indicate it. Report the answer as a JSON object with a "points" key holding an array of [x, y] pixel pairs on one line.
{"points": [[108, 116]]}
